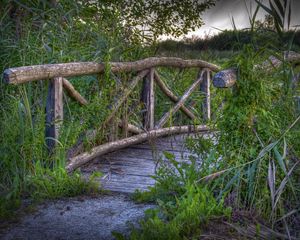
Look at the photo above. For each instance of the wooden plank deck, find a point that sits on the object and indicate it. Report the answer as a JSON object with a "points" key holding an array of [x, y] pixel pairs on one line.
{"points": [[131, 168]]}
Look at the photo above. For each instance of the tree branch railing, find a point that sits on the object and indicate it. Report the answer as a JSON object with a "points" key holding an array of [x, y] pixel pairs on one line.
{"points": [[144, 70]]}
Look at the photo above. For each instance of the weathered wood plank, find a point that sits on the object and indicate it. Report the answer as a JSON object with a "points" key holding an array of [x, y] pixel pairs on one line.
{"points": [[182, 100], [131, 168], [54, 112], [41, 72], [172, 96], [151, 154]]}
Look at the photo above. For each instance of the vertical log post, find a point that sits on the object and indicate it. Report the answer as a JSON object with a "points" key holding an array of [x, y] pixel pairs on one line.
{"points": [[113, 129], [205, 89], [125, 120], [54, 112], [147, 98]]}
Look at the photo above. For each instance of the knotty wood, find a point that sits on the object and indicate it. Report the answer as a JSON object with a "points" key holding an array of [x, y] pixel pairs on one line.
{"points": [[54, 112], [73, 93], [147, 98], [205, 89], [172, 96], [182, 100], [42, 72], [83, 158]]}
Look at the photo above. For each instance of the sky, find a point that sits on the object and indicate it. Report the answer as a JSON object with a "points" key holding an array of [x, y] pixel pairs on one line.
{"points": [[220, 16]]}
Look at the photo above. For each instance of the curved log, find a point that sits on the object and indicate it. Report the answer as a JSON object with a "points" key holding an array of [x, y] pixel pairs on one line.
{"points": [[83, 158], [41, 72], [172, 96], [73, 93]]}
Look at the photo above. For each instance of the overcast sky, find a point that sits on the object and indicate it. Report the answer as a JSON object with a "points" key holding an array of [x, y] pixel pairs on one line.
{"points": [[221, 14]]}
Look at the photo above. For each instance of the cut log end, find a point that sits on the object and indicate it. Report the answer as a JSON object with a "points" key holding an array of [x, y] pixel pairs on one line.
{"points": [[8, 76], [225, 79]]}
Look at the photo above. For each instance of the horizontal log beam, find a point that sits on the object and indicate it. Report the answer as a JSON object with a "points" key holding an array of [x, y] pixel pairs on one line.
{"points": [[172, 96], [73, 93], [43, 72], [84, 158]]}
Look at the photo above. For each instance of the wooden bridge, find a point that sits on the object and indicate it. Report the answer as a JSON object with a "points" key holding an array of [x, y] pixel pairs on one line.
{"points": [[130, 157]]}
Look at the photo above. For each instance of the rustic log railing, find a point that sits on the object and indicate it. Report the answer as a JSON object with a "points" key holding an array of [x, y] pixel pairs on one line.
{"points": [[145, 70]]}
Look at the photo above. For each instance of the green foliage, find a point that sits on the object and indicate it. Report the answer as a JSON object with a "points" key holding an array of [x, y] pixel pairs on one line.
{"points": [[184, 206], [257, 148], [146, 20], [39, 32], [182, 218], [57, 183], [229, 40]]}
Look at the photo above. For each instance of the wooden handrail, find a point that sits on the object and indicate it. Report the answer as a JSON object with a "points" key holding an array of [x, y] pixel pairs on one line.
{"points": [[143, 70], [24, 74]]}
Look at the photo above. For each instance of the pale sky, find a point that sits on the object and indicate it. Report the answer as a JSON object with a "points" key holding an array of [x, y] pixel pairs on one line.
{"points": [[220, 16]]}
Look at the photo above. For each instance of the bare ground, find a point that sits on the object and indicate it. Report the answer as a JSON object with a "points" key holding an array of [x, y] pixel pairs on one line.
{"points": [[78, 218]]}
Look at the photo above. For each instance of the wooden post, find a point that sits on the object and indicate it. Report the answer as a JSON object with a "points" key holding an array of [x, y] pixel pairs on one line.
{"points": [[205, 88], [147, 97], [54, 112], [125, 120]]}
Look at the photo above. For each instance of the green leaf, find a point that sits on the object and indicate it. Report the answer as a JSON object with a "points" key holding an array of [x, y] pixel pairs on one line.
{"points": [[280, 159], [279, 7]]}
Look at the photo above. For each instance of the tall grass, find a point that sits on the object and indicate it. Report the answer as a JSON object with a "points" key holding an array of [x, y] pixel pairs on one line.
{"points": [[34, 33], [254, 164]]}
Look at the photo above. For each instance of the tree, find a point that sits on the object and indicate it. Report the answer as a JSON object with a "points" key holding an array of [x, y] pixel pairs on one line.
{"points": [[148, 19]]}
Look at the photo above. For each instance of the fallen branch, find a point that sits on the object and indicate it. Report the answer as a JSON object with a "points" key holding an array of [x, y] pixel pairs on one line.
{"points": [[83, 158]]}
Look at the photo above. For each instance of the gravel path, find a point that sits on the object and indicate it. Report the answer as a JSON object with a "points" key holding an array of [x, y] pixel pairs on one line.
{"points": [[87, 218]]}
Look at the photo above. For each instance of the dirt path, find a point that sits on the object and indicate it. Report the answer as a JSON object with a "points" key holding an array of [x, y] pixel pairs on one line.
{"points": [[79, 218]]}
